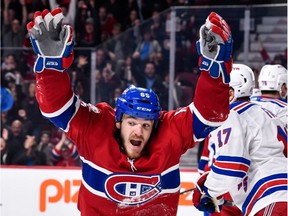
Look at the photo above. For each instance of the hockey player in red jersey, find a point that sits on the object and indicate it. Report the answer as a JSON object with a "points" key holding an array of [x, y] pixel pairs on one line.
{"points": [[245, 156], [130, 156]]}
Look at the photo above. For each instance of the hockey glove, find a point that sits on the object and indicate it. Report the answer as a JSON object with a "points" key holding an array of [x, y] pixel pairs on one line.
{"points": [[215, 47], [202, 201], [51, 41]]}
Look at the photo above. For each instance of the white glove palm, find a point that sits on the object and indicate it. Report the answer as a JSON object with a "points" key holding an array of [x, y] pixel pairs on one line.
{"points": [[51, 41]]}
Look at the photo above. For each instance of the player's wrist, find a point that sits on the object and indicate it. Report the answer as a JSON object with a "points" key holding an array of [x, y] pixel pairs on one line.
{"points": [[57, 63]]}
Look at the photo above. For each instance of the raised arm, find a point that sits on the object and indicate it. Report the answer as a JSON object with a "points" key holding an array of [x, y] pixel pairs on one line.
{"points": [[211, 101], [24, 12], [54, 46]]}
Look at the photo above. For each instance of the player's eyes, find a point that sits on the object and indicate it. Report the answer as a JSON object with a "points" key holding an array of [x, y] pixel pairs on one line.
{"points": [[146, 126], [131, 123]]}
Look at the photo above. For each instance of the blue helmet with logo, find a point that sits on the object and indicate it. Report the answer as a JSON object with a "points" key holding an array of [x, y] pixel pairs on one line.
{"points": [[139, 103]]}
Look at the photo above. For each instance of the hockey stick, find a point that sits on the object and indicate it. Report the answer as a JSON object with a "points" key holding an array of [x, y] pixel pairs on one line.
{"points": [[186, 191], [226, 202]]}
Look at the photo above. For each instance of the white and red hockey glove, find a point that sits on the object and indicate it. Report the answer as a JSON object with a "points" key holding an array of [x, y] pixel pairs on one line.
{"points": [[202, 200], [215, 47], [51, 41]]}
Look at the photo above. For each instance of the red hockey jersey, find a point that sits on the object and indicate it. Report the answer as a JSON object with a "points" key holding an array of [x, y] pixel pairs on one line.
{"points": [[112, 184]]}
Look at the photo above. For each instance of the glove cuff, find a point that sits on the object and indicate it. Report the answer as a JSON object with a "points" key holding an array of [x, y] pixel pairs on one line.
{"points": [[55, 63], [216, 68]]}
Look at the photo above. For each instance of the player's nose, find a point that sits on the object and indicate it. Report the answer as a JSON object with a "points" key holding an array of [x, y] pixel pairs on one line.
{"points": [[138, 130]]}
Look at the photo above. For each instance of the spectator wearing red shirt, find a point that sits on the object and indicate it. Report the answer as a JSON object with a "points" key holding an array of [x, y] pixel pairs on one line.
{"points": [[65, 153], [107, 22]]}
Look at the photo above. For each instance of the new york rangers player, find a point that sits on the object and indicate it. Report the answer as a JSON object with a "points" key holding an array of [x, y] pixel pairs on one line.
{"points": [[130, 156], [272, 82], [246, 156]]}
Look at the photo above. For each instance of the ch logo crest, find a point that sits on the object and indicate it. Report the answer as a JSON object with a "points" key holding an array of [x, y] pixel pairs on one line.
{"points": [[132, 189]]}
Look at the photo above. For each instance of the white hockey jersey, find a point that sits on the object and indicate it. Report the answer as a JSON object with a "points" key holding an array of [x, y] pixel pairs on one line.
{"points": [[276, 106], [248, 158]]}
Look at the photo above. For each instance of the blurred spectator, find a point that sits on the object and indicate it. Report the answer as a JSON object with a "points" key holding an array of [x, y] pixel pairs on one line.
{"points": [[101, 59], [187, 82], [144, 9], [117, 93], [13, 30], [82, 66], [132, 5], [107, 22], [10, 74], [15, 85], [125, 72], [136, 32], [161, 67], [150, 79], [9, 63], [117, 8], [3, 150], [15, 142], [41, 5], [108, 83], [82, 13], [28, 55], [56, 135], [31, 155], [98, 78], [177, 91], [80, 77], [81, 90], [157, 26], [86, 10], [10, 68], [27, 122], [64, 153], [30, 110], [130, 22], [8, 12], [147, 48], [4, 120], [87, 38], [68, 10], [189, 38], [278, 59], [118, 47], [45, 146]]}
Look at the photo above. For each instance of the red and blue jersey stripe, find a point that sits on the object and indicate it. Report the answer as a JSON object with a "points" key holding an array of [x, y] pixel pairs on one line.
{"points": [[232, 166], [278, 102], [263, 188], [241, 106]]}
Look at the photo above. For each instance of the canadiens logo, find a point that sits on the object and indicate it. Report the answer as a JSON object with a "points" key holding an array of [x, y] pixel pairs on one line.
{"points": [[132, 189]]}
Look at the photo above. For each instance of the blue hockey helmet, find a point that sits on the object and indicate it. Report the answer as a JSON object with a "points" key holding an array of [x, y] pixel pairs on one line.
{"points": [[139, 103]]}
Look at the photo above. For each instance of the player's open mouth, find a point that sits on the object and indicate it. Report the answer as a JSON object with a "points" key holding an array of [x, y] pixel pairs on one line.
{"points": [[135, 142]]}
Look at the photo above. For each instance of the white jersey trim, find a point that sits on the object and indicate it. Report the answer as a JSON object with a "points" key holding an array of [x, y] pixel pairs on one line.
{"points": [[202, 119], [61, 110]]}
